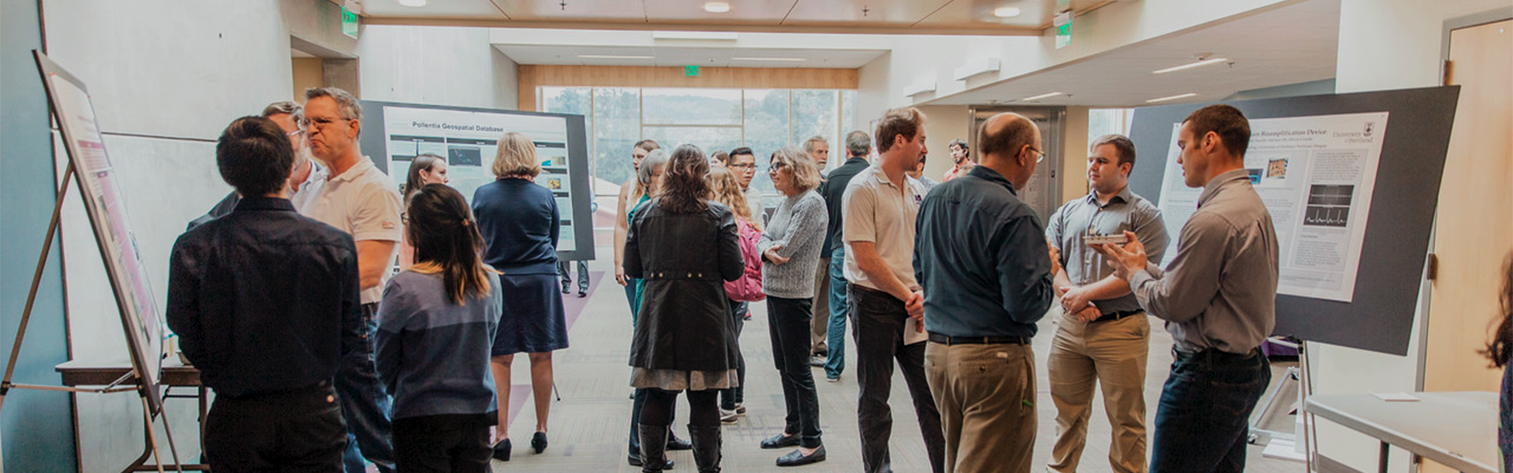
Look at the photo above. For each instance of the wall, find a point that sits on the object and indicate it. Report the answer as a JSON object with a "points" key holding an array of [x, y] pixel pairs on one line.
{"points": [[36, 427], [1074, 154], [307, 74], [1384, 44], [942, 124], [434, 65], [533, 76]]}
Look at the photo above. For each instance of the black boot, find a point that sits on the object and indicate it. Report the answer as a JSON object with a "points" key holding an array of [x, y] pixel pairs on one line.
{"points": [[706, 447], [653, 447]]}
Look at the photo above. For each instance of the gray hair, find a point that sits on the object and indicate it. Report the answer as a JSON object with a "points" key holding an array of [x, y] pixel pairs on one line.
{"points": [[285, 107], [345, 103], [805, 174], [1122, 145], [655, 159], [858, 143], [809, 143]]}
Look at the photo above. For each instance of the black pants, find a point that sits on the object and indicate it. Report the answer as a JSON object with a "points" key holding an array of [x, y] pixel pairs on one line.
{"points": [[299, 431], [454, 443], [788, 323], [703, 408], [877, 325], [731, 396], [638, 405]]}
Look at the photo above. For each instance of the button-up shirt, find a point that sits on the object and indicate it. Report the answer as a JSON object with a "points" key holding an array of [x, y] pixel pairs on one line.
{"points": [[1220, 289], [882, 213], [263, 299], [1087, 216], [981, 258]]}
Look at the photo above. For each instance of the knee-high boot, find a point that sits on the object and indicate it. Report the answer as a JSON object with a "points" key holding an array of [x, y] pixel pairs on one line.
{"points": [[653, 447], [706, 447]]}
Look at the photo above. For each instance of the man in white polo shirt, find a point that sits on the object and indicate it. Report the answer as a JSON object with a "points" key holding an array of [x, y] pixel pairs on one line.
{"points": [[352, 195]]}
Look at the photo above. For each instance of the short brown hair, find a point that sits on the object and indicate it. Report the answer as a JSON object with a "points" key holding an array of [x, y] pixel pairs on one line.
{"points": [[908, 122], [1227, 122], [649, 145], [805, 175], [1009, 139], [516, 157], [1122, 146]]}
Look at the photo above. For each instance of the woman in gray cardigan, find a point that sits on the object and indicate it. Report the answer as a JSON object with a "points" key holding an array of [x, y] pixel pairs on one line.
{"points": [[790, 249]]}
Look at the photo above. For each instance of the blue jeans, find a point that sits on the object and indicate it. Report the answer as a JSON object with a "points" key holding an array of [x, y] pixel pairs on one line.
{"points": [[365, 404], [1203, 418], [835, 332]]}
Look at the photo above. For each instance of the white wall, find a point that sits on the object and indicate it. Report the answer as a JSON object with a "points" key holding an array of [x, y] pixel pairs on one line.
{"points": [[943, 123], [1384, 44], [435, 65]]}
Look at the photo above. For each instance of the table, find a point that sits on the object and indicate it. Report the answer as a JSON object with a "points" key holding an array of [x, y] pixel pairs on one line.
{"points": [[1457, 429], [174, 374]]}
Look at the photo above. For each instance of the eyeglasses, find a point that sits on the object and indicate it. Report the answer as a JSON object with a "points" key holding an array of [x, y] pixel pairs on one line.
{"points": [[1041, 154], [741, 166], [295, 134], [322, 123]]}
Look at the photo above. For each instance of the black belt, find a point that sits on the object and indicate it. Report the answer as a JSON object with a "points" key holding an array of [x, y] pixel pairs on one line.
{"points": [[1112, 316], [950, 340]]}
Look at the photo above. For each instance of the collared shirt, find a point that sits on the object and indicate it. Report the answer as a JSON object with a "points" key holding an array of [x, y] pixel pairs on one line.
{"points": [[880, 212], [362, 202], [263, 299], [1085, 216], [834, 191], [958, 171], [1220, 289], [754, 204], [982, 259]]}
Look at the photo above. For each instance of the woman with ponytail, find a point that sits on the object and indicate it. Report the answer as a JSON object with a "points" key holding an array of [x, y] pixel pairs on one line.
{"points": [[436, 326], [519, 221]]}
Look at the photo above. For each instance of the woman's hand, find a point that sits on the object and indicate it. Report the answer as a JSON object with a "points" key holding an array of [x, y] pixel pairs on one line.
{"points": [[620, 276], [772, 255]]}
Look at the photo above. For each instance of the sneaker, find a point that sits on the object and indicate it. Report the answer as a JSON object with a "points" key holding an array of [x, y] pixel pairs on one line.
{"points": [[832, 379], [817, 361], [729, 417]]}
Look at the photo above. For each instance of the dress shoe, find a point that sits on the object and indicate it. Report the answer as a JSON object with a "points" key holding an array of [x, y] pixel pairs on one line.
{"points": [[780, 441], [635, 460], [538, 442], [675, 443], [797, 458], [817, 361], [740, 409], [502, 450]]}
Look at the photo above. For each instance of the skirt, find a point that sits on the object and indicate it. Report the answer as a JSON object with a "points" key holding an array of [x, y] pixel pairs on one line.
{"points": [[531, 320], [679, 380]]}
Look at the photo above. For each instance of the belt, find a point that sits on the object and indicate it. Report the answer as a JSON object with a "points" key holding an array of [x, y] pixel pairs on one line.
{"points": [[1112, 316], [950, 340], [1215, 354]]}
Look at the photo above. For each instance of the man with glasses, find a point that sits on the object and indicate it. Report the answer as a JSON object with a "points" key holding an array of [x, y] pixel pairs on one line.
{"points": [[288, 116], [352, 195]]}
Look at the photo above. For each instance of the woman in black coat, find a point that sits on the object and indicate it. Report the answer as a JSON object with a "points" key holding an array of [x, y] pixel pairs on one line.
{"points": [[683, 340]]}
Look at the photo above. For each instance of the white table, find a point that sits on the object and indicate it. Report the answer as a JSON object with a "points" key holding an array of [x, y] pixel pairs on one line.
{"points": [[1457, 429]]}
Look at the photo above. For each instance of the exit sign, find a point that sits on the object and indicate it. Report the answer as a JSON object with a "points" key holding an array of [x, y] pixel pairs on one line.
{"points": [[348, 22], [1063, 24], [691, 71]]}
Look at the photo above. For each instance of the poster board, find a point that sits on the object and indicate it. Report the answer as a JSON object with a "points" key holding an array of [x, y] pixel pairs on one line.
{"points": [[1387, 212], [105, 205], [466, 138]]}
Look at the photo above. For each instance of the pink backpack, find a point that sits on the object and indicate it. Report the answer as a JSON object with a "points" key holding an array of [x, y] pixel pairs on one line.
{"points": [[749, 287]]}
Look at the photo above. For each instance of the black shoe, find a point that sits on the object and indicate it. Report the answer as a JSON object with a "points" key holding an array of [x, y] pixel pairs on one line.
{"points": [[797, 458], [502, 450], [567, 290], [538, 442], [675, 443], [635, 460], [581, 294], [780, 441], [706, 447]]}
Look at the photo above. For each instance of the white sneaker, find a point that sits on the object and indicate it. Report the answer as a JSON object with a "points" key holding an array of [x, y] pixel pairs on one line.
{"points": [[728, 417]]}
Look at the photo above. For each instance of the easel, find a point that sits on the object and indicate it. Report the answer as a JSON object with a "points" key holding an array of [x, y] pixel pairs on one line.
{"points": [[1301, 378]]}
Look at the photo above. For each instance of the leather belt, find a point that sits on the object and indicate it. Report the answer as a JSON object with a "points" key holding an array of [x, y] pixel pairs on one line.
{"points": [[1112, 316], [950, 340]]}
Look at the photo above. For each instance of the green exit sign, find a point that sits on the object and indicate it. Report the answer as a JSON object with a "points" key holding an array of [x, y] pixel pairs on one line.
{"points": [[348, 22], [1063, 24], [691, 71]]}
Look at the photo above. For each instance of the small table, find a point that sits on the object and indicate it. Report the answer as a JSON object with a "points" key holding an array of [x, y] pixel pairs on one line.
{"points": [[1457, 429], [175, 373]]}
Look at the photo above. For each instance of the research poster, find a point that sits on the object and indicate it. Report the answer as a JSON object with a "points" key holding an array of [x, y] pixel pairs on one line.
{"points": [[1316, 175], [467, 141]]}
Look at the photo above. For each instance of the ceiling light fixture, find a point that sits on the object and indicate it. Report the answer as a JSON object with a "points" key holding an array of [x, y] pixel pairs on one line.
{"points": [[770, 59], [716, 7], [1174, 97], [1183, 67], [612, 56], [413, 3], [1006, 12], [1041, 96]]}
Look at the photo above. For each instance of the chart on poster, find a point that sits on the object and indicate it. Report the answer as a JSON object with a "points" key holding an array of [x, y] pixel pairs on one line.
{"points": [[1316, 175]]}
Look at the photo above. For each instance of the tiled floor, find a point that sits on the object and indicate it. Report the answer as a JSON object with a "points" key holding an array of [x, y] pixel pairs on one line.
{"points": [[588, 427]]}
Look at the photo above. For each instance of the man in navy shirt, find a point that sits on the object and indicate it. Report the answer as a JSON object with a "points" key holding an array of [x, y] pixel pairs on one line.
{"points": [[981, 258], [265, 303]]}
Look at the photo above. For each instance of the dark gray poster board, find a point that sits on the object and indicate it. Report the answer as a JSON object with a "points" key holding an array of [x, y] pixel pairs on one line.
{"points": [[394, 133], [1401, 217]]}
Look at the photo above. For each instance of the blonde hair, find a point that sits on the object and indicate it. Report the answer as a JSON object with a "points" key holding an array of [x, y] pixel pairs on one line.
{"points": [[805, 175], [516, 157], [726, 189]]}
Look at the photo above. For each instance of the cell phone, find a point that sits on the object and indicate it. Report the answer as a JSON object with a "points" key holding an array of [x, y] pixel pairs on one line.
{"points": [[1119, 239]]}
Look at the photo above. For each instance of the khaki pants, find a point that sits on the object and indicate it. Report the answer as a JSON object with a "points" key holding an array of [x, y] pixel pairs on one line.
{"points": [[986, 397], [1111, 354], [819, 326]]}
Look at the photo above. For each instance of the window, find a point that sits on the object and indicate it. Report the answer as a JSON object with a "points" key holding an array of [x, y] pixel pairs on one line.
{"points": [[1105, 121]]}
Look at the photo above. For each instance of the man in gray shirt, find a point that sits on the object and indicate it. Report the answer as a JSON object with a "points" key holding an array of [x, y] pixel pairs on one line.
{"points": [[1102, 337], [1218, 297]]}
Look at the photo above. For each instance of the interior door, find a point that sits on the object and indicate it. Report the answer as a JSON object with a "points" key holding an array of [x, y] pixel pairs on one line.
{"points": [[1043, 193]]}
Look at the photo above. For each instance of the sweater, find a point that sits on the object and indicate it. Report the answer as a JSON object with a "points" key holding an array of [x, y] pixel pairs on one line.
{"points": [[798, 227], [433, 355]]}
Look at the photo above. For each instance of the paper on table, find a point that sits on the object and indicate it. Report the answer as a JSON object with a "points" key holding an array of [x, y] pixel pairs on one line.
{"points": [[1396, 397], [914, 332]]}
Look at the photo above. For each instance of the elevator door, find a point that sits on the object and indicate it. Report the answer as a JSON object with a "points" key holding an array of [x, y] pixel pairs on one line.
{"points": [[1043, 191]]}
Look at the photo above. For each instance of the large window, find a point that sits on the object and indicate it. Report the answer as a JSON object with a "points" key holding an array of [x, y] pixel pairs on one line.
{"points": [[714, 119]]}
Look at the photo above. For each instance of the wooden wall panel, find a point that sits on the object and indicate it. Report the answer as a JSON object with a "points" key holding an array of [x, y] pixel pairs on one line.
{"points": [[533, 76]]}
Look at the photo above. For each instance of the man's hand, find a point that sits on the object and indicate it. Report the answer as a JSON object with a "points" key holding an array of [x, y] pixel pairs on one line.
{"points": [[1126, 260], [1075, 299], [1055, 257], [1089, 314], [915, 305], [772, 255]]}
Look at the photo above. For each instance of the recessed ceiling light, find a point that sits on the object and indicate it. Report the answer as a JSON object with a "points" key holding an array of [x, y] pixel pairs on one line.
{"points": [[611, 56], [716, 7], [1006, 12], [1174, 97], [1190, 66], [770, 59], [413, 3], [1041, 96]]}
